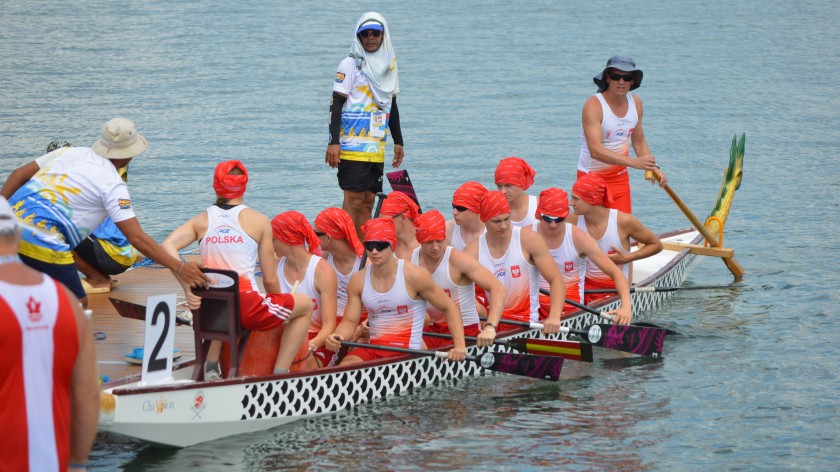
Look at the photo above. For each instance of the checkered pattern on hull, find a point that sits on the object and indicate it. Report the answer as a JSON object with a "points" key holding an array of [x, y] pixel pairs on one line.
{"points": [[321, 394]]}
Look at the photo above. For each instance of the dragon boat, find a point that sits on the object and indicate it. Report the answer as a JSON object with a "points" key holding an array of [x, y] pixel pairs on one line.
{"points": [[186, 412]]}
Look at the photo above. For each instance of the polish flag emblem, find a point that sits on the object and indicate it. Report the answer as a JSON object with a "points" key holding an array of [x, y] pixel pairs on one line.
{"points": [[402, 309], [569, 266], [515, 272]]}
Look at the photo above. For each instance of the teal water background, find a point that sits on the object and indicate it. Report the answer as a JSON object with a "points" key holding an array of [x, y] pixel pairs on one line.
{"points": [[754, 386]]}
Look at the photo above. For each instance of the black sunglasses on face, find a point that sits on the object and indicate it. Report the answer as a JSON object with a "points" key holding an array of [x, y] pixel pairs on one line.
{"points": [[550, 219], [378, 246], [616, 76], [320, 233], [460, 208], [367, 33]]}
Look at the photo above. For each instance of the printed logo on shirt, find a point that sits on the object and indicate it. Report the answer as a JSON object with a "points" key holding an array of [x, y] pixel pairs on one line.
{"points": [[569, 266], [515, 272], [339, 77], [34, 308], [402, 309], [448, 293], [314, 304], [500, 273], [125, 203]]}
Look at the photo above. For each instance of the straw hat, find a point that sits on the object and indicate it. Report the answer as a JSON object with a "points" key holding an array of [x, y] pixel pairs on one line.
{"points": [[119, 140]]}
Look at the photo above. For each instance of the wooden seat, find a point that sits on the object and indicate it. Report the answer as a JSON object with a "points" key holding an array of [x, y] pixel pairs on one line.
{"points": [[218, 320]]}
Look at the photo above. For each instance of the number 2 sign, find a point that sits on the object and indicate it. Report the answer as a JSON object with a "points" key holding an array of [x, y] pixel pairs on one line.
{"points": [[159, 345]]}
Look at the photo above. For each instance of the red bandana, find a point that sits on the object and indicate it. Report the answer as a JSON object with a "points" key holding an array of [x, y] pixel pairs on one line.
{"points": [[431, 226], [492, 205], [469, 195], [515, 171], [381, 229], [338, 225], [592, 188], [553, 202], [292, 228], [230, 186], [399, 203]]}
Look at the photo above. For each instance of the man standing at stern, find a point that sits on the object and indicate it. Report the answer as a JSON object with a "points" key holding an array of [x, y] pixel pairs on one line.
{"points": [[362, 110], [612, 121]]}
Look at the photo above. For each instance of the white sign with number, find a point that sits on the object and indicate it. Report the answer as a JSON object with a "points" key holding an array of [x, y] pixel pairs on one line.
{"points": [[159, 346]]}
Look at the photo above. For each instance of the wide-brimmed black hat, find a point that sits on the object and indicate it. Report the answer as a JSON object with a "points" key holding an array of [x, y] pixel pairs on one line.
{"points": [[622, 63]]}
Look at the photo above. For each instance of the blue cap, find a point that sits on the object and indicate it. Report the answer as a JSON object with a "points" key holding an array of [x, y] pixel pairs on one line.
{"points": [[371, 25]]}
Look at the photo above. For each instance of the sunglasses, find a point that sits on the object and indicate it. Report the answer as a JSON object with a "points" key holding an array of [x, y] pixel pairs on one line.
{"points": [[378, 246], [460, 208], [552, 219], [617, 77], [369, 33], [320, 233]]}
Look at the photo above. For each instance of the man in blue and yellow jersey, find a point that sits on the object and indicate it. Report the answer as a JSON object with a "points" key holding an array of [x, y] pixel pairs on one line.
{"points": [[363, 109]]}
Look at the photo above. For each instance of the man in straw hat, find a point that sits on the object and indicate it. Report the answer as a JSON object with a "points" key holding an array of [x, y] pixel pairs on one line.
{"points": [[363, 108], [64, 195], [48, 377], [612, 121]]}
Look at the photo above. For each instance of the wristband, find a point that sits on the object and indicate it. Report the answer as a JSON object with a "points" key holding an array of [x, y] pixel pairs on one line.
{"points": [[490, 325], [313, 347], [181, 268]]}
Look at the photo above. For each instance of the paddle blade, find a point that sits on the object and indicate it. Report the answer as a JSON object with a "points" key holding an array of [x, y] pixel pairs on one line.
{"points": [[633, 339], [538, 367], [571, 350], [401, 182], [128, 309]]}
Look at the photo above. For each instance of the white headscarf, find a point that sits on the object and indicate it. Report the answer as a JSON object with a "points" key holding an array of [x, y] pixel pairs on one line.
{"points": [[379, 66]]}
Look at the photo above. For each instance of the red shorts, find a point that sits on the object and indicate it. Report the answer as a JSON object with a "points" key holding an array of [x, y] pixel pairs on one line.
{"points": [[258, 313], [368, 354], [434, 343], [619, 185], [481, 298], [594, 284], [545, 306]]}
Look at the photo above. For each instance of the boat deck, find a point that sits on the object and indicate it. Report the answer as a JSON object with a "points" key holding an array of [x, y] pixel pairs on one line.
{"points": [[121, 335]]}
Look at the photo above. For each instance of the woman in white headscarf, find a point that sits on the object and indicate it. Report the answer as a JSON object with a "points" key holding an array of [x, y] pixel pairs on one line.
{"points": [[363, 111]]}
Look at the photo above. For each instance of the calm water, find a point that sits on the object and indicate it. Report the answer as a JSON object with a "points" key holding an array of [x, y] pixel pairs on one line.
{"points": [[754, 386]]}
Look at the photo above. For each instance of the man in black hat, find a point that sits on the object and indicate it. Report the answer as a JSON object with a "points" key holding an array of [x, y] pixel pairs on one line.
{"points": [[612, 121]]}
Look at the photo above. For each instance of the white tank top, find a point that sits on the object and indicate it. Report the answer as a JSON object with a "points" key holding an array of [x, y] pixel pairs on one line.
{"points": [[226, 245], [606, 243], [462, 295], [529, 219], [615, 136], [457, 240], [306, 287], [343, 282], [570, 264], [394, 318], [520, 278]]}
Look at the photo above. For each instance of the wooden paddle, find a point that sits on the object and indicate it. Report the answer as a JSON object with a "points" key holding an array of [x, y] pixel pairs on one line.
{"points": [[538, 367], [572, 350], [136, 311], [733, 265], [641, 340]]}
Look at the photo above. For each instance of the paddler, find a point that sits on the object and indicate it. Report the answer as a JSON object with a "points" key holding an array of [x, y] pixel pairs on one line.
{"points": [[465, 225], [233, 236], [363, 108], [395, 293], [611, 229], [517, 257], [513, 177], [62, 196], [298, 248], [612, 121], [573, 250], [458, 274], [402, 209]]}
